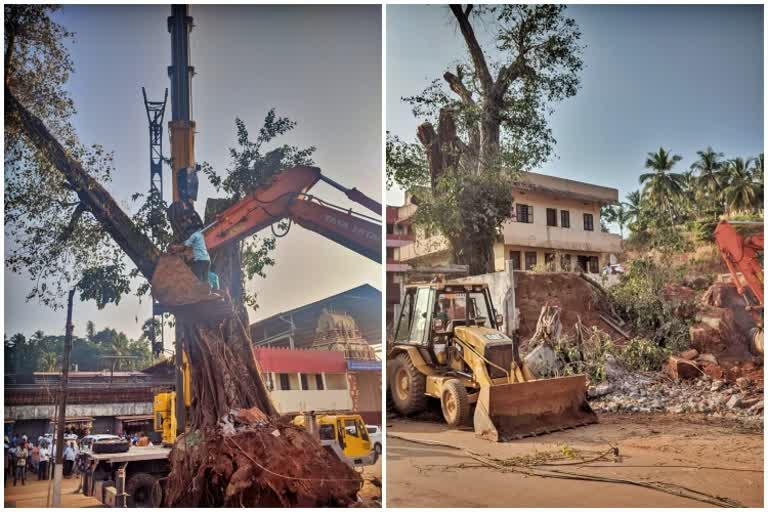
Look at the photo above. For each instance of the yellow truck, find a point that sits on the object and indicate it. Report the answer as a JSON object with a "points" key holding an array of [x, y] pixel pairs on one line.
{"points": [[344, 434]]}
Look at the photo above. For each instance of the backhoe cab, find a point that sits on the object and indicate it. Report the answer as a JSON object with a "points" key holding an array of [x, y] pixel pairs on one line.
{"points": [[448, 345]]}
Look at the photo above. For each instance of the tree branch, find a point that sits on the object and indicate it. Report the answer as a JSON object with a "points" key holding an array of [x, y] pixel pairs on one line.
{"points": [[98, 201], [73, 221], [475, 52], [9, 52], [457, 86], [508, 74]]}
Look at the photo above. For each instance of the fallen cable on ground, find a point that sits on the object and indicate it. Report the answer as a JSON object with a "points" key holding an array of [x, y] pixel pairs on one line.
{"points": [[531, 470]]}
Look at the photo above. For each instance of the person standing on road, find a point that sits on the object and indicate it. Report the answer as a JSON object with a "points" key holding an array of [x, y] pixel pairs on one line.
{"points": [[69, 459], [34, 456], [22, 453], [8, 462], [45, 455]]}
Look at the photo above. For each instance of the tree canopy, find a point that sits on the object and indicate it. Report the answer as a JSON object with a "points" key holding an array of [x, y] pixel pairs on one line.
{"points": [[51, 236], [671, 205], [484, 122], [42, 352]]}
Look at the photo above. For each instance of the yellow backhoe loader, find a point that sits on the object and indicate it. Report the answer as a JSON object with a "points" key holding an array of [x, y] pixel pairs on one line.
{"points": [[448, 345]]}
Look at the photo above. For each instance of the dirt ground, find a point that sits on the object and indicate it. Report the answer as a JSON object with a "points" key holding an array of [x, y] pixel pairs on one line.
{"points": [[719, 458], [370, 494], [35, 494]]}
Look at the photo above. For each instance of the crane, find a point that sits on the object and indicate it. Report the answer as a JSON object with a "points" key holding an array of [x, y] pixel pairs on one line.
{"points": [[175, 288]]}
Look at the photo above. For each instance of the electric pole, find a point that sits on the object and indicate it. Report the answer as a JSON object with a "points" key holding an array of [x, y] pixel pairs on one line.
{"points": [[59, 467]]}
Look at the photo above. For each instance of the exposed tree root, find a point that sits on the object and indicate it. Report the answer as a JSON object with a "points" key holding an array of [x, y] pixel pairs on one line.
{"points": [[238, 452], [249, 461]]}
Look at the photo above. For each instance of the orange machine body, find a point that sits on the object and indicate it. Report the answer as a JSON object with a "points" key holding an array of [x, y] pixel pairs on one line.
{"points": [[740, 254], [285, 197]]}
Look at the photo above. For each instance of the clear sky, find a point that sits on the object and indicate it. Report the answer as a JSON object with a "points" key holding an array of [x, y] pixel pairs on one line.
{"points": [[682, 77], [318, 65]]}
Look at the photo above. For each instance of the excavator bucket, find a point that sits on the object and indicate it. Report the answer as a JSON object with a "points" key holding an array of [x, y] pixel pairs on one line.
{"points": [[180, 292], [511, 411]]}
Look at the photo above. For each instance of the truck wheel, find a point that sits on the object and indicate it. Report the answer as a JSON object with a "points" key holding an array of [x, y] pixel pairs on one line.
{"points": [[455, 403], [408, 386], [140, 488]]}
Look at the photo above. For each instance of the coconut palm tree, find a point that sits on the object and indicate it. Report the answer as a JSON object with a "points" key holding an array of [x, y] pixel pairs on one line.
{"points": [[619, 215], [690, 198], [741, 193], [633, 205], [757, 176], [708, 166], [662, 185]]}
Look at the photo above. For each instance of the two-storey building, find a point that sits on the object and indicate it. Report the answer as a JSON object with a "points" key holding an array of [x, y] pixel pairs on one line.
{"points": [[555, 225]]}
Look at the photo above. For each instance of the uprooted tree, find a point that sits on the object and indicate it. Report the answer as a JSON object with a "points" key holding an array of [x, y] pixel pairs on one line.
{"points": [[488, 127], [237, 450]]}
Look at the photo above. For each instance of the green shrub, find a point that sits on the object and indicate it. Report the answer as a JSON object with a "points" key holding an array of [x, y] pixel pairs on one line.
{"points": [[643, 354], [590, 359]]}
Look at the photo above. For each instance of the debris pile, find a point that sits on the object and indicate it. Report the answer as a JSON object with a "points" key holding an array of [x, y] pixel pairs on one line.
{"points": [[725, 327], [578, 297], [653, 393]]}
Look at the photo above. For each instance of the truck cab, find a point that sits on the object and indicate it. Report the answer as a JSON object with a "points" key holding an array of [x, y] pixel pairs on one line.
{"points": [[344, 434]]}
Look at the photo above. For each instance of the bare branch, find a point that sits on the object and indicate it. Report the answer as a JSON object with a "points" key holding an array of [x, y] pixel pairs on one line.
{"points": [[457, 86], [475, 52], [73, 221]]}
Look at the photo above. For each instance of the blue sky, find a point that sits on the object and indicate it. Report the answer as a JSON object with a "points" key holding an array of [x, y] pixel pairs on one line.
{"points": [[319, 65], [682, 77]]}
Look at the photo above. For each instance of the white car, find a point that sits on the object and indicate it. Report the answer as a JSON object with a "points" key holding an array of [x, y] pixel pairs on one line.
{"points": [[374, 433]]}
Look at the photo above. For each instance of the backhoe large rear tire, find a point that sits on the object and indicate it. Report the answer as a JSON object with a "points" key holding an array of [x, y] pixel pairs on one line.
{"points": [[408, 386], [455, 403]]}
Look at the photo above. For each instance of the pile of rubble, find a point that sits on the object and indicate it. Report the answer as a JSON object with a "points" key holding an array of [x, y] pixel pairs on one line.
{"points": [[626, 392]]}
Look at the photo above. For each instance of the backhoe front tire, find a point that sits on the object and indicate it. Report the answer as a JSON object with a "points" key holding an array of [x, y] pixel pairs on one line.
{"points": [[408, 386], [455, 403]]}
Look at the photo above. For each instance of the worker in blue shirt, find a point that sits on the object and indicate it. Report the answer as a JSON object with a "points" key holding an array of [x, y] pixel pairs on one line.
{"points": [[201, 261], [213, 278]]}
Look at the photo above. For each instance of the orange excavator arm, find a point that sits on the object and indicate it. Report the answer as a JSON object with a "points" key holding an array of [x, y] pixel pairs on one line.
{"points": [[286, 198], [741, 256], [354, 232]]}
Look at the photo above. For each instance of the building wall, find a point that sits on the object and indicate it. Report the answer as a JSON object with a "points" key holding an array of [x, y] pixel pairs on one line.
{"points": [[369, 396], [46, 412], [531, 237], [311, 400], [575, 238], [32, 428], [334, 395]]}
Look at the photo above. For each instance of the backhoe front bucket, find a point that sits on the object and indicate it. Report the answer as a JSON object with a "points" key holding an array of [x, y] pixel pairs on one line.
{"points": [[180, 292], [512, 411]]}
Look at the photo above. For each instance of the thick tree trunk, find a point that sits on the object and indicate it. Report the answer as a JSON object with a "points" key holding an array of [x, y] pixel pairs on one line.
{"points": [[96, 199], [237, 451], [445, 150]]}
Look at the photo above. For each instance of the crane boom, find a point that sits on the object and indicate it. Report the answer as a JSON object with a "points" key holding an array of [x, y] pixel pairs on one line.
{"points": [[182, 126]]}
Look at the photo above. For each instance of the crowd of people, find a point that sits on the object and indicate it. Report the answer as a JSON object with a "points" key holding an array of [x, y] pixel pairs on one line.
{"points": [[23, 456]]}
